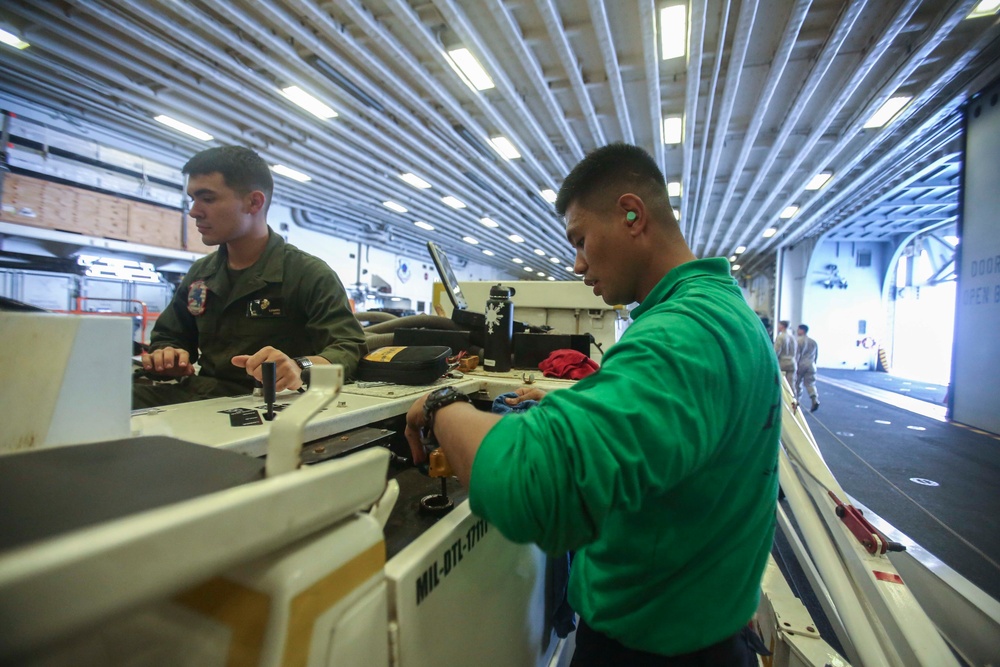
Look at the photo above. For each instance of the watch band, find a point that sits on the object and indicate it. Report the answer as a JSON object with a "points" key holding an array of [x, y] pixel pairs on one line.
{"points": [[436, 400], [304, 364]]}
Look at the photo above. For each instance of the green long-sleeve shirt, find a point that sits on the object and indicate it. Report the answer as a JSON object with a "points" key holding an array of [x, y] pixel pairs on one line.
{"points": [[660, 470], [288, 299]]}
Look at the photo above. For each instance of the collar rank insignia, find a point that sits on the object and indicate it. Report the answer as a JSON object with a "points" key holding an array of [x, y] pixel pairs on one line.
{"points": [[197, 297]]}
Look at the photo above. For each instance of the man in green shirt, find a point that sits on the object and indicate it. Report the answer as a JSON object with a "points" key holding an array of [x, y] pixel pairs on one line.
{"points": [[660, 469], [256, 299]]}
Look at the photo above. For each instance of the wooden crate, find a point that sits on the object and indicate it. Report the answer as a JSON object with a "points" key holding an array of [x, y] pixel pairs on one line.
{"points": [[154, 225], [22, 200], [41, 203], [112, 218]]}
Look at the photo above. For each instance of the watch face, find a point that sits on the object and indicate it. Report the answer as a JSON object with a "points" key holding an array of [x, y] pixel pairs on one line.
{"points": [[440, 393]]}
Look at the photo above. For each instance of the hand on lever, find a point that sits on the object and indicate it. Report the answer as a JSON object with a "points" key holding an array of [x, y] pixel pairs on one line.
{"points": [[288, 375]]}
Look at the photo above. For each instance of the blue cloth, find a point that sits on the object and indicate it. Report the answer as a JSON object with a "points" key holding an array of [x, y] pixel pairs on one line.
{"points": [[502, 408]]}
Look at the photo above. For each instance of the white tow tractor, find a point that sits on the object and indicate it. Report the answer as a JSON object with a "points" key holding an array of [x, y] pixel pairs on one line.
{"points": [[196, 555]]}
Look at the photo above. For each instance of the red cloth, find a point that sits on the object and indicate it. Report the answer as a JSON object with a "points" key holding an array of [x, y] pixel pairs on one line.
{"points": [[568, 364]]}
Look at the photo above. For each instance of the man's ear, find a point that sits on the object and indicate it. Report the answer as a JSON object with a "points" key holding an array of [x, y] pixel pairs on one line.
{"points": [[633, 213], [256, 201]]}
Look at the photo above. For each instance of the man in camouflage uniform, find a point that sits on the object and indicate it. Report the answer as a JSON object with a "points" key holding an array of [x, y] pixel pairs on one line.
{"points": [[256, 299]]}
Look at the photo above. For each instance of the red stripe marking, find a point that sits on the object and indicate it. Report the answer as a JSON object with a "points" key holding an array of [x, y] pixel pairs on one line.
{"points": [[888, 576]]}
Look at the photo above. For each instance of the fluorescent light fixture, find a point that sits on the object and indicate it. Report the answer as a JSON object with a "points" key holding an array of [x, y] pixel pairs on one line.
{"points": [[515, 238], [569, 268], [541, 275], [789, 212], [555, 260], [769, 232], [740, 249], [733, 258], [673, 31], [517, 260], [470, 240], [415, 181], [673, 129], [183, 127], [470, 68], [548, 195], [489, 223], [674, 189], [529, 269], [951, 239], [453, 202], [551, 278], [393, 206], [736, 267], [820, 179], [489, 253], [677, 214], [540, 252], [887, 111], [423, 225], [503, 146], [10, 39], [291, 173], [308, 102], [984, 8]]}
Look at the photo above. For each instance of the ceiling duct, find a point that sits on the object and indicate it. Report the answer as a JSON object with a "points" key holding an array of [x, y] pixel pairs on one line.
{"points": [[338, 78]]}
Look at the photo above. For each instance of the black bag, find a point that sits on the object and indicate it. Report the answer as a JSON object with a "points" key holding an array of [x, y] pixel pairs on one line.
{"points": [[415, 365]]}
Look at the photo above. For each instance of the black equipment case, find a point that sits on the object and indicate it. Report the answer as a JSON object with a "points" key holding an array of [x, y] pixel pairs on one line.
{"points": [[414, 365]]}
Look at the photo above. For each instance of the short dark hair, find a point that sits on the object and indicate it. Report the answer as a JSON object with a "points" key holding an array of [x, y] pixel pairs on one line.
{"points": [[242, 169], [804, 327], [783, 323], [610, 171]]}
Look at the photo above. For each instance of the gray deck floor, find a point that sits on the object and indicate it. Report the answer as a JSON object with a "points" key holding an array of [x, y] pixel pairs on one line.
{"points": [[886, 441]]}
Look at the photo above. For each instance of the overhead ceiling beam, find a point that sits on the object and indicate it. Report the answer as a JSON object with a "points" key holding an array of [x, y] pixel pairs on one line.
{"points": [[779, 61], [798, 106], [521, 50], [737, 59], [599, 18], [560, 43]]}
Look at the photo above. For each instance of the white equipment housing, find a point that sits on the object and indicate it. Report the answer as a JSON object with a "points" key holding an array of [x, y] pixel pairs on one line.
{"points": [[51, 365]]}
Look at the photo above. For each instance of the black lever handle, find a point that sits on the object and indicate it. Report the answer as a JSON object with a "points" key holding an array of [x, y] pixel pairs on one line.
{"points": [[267, 374]]}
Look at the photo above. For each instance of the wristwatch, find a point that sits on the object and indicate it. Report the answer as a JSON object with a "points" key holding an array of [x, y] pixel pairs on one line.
{"points": [[304, 364], [436, 400]]}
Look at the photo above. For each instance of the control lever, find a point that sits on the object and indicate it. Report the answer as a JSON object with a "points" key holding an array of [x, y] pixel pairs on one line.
{"points": [[438, 466], [267, 374]]}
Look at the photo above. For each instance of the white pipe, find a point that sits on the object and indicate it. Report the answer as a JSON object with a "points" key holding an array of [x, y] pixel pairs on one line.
{"points": [[799, 105], [554, 28], [805, 221], [458, 22], [831, 112], [519, 49], [599, 18], [692, 197], [737, 58], [774, 74], [696, 46], [651, 67]]}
